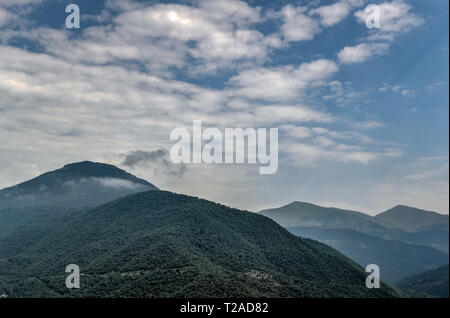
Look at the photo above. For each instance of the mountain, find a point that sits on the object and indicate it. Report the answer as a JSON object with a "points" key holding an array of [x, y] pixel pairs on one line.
{"points": [[161, 244], [413, 220], [75, 186], [396, 259], [367, 239], [433, 232], [433, 282], [429, 227], [310, 215]]}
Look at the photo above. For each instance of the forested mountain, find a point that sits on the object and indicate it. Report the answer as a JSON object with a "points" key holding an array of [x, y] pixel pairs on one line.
{"points": [[75, 186], [433, 282], [161, 244]]}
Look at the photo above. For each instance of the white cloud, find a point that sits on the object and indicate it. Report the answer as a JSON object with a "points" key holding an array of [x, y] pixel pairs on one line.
{"points": [[396, 18], [5, 16], [283, 83], [118, 183], [405, 92], [123, 5], [332, 14], [368, 124], [11, 3], [297, 25], [300, 24], [311, 145], [12, 11], [323, 149], [215, 34], [408, 93], [283, 114], [361, 52]]}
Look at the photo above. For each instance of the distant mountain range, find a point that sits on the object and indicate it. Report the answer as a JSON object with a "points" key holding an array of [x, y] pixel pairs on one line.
{"points": [[156, 244], [403, 241]]}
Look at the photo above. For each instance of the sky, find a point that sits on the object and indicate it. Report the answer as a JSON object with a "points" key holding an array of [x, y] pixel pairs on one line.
{"points": [[362, 113]]}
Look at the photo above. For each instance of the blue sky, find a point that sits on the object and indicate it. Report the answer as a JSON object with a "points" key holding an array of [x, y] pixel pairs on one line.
{"points": [[362, 113]]}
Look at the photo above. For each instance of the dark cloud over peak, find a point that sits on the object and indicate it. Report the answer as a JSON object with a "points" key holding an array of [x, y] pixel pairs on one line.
{"points": [[159, 160]]}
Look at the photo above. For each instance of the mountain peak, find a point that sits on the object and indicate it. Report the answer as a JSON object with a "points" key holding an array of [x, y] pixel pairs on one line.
{"points": [[76, 184], [97, 169], [413, 219], [84, 169], [402, 206], [87, 163], [408, 210], [300, 203]]}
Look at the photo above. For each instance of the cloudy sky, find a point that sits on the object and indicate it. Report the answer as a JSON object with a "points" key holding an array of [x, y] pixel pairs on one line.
{"points": [[362, 113]]}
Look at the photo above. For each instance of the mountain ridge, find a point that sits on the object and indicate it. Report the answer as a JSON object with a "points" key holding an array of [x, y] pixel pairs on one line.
{"points": [[370, 239], [162, 244], [412, 219], [307, 214], [298, 213]]}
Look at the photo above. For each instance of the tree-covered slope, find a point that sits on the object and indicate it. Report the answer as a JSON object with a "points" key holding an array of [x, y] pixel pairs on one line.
{"points": [[161, 244], [433, 282]]}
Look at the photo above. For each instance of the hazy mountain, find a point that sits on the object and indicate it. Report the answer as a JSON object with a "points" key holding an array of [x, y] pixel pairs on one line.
{"points": [[310, 215], [160, 244], [395, 258], [433, 232], [75, 186], [428, 227], [437, 238], [413, 220], [433, 282], [367, 239]]}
